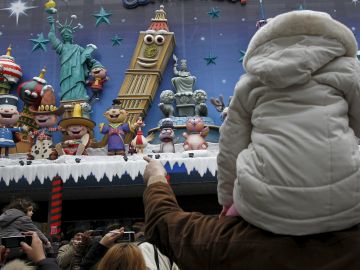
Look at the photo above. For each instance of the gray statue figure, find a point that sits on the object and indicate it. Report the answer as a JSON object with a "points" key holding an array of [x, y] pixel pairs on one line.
{"points": [[200, 96], [183, 80], [166, 103], [75, 61]]}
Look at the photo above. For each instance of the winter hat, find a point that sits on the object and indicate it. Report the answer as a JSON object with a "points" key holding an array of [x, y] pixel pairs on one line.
{"points": [[8, 100]]}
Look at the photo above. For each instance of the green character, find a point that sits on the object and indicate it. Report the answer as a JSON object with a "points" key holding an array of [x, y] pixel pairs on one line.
{"points": [[75, 61]]}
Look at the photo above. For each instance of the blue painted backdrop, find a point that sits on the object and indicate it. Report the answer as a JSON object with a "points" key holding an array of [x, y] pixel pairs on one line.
{"points": [[197, 33]]}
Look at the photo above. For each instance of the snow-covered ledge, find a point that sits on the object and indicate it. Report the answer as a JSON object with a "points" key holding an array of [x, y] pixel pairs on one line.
{"points": [[98, 164]]}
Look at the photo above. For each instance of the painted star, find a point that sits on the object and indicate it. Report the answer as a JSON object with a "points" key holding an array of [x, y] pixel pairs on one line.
{"points": [[355, 2], [214, 13], [210, 59], [18, 8], [102, 17], [39, 42], [242, 55], [116, 40]]}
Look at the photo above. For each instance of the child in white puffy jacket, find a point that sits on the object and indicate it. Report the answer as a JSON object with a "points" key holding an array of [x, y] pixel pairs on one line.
{"points": [[288, 155]]}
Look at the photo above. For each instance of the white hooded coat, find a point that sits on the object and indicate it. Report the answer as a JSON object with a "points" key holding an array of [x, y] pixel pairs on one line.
{"points": [[288, 156]]}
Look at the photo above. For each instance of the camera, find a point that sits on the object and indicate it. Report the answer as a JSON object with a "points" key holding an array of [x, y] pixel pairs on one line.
{"points": [[126, 237], [14, 241]]}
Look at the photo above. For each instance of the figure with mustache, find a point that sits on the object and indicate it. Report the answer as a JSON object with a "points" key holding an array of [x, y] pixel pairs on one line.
{"points": [[45, 116], [9, 115]]}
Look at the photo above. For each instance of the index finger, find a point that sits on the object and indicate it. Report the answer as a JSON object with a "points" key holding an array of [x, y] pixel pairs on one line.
{"points": [[148, 159]]}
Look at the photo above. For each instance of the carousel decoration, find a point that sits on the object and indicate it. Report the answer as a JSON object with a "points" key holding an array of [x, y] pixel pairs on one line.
{"points": [[10, 72]]}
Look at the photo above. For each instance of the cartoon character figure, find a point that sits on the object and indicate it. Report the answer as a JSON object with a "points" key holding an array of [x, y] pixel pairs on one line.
{"points": [[97, 80], [78, 130], [117, 128], [9, 115], [200, 96], [197, 132], [220, 106], [45, 116], [167, 136], [139, 143]]}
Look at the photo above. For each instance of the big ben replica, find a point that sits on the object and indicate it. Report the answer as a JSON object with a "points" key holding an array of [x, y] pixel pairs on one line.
{"points": [[152, 53]]}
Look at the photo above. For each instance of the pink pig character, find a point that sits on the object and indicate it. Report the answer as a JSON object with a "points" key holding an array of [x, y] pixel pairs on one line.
{"points": [[197, 131]]}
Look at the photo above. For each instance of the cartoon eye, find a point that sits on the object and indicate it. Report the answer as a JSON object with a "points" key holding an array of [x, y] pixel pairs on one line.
{"points": [[159, 40], [34, 95], [148, 39], [27, 91]]}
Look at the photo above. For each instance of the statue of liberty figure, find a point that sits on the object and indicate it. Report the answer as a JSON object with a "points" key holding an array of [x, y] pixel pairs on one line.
{"points": [[75, 61]]}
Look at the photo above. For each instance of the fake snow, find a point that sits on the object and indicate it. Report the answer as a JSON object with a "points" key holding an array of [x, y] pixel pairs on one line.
{"points": [[98, 164]]}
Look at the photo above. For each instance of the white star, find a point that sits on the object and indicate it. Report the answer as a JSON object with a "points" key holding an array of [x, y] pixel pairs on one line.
{"points": [[355, 2], [18, 8]]}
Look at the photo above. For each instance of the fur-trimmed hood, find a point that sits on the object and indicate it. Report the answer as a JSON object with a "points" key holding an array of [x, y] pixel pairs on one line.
{"points": [[294, 45]]}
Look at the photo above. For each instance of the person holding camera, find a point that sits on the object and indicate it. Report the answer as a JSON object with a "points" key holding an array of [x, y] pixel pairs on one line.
{"points": [[35, 252], [67, 252], [16, 219]]}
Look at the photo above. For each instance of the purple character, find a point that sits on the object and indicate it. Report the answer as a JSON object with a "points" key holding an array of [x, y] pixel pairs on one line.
{"points": [[116, 129]]}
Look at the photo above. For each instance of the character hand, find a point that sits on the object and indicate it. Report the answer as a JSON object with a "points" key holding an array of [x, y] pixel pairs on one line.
{"points": [[36, 251], [51, 20], [101, 125], [154, 168], [109, 239], [87, 56], [25, 128]]}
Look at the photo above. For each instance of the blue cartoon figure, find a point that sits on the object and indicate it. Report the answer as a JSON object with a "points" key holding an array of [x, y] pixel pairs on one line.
{"points": [[9, 115]]}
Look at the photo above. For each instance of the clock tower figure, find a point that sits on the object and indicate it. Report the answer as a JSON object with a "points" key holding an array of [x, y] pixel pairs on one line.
{"points": [[152, 53]]}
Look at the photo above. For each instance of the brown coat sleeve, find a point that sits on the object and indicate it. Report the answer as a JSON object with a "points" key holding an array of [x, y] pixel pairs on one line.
{"points": [[185, 237], [196, 241]]}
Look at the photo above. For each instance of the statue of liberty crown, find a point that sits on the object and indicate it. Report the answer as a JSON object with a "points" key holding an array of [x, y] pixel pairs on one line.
{"points": [[68, 26]]}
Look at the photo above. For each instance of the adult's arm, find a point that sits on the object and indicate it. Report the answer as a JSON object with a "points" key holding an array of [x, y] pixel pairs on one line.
{"points": [[93, 256], [186, 238]]}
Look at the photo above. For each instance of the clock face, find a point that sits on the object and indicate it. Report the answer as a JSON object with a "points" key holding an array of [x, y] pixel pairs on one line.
{"points": [[151, 51]]}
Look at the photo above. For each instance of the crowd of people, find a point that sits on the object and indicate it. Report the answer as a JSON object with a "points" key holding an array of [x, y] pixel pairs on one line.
{"points": [[288, 173], [24, 246]]}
